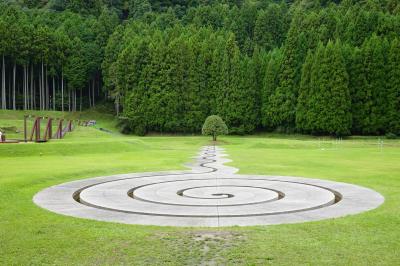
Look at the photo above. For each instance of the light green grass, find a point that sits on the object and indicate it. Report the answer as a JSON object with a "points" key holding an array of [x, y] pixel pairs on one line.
{"points": [[31, 235]]}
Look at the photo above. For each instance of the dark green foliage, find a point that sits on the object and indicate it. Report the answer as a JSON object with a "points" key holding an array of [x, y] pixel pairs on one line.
{"points": [[306, 92], [271, 26], [337, 89], [54, 56], [186, 76], [321, 67], [270, 83], [370, 96], [393, 84], [214, 126], [355, 69], [281, 109], [324, 100], [231, 96], [138, 8]]}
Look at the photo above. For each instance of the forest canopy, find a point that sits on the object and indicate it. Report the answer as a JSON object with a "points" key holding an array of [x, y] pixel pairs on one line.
{"points": [[308, 66]]}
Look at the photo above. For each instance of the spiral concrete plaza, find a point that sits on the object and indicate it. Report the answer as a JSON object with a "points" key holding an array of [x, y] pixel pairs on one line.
{"points": [[210, 194]]}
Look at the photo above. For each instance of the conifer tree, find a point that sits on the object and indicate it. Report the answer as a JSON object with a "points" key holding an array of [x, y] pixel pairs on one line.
{"points": [[281, 109], [394, 87], [230, 104], [257, 66], [217, 75], [302, 109], [338, 119], [271, 26], [137, 8], [270, 84], [375, 95], [154, 82], [314, 101], [329, 98]]}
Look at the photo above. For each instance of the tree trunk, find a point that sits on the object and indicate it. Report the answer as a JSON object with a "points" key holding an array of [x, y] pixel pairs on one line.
{"points": [[93, 92], [90, 99], [26, 100], [98, 85], [24, 88], [62, 90], [42, 89], [54, 94], [72, 100], [75, 100], [9, 92], [3, 86], [117, 105], [69, 101], [46, 88], [13, 86], [80, 101], [32, 92]]}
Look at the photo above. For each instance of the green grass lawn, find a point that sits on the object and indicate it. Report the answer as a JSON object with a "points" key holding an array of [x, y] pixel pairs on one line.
{"points": [[31, 235]]}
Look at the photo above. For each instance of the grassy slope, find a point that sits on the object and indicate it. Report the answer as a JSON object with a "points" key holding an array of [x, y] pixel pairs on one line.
{"points": [[16, 119], [30, 235]]}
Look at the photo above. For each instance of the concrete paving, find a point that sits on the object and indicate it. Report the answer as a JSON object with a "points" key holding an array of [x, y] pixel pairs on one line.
{"points": [[211, 194]]}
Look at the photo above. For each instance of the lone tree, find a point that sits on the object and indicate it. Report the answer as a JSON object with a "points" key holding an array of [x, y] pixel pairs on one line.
{"points": [[214, 126]]}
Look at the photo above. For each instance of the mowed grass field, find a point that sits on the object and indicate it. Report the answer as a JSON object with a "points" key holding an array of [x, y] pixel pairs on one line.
{"points": [[30, 235]]}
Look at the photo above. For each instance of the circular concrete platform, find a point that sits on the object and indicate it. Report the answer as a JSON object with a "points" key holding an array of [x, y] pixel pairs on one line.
{"points": [[211, 194]]}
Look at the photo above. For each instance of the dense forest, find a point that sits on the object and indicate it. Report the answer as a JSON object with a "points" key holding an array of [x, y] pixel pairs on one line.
{"points": [[308, 66]]}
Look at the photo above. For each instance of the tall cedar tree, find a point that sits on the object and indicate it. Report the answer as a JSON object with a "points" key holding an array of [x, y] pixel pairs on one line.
{"points": [[169, 65], [374, 116], [270, 83], [329, 105], [394, 87], [281, 109], [305, 93]]}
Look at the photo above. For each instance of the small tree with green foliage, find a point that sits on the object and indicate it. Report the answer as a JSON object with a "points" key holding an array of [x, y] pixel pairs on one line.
{"points": [[214, 126]]}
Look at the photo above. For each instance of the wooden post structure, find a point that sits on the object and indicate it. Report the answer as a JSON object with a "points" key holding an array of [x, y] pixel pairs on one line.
{"points": [[48, 131], [59, 133], [36, 129], [25, 129]]}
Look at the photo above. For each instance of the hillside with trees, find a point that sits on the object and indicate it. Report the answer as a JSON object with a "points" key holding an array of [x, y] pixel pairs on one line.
{"points": [[309, 66]]}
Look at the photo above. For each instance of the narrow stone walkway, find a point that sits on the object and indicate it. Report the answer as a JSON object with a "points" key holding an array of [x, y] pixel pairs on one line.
{"points": [[210, 194]]}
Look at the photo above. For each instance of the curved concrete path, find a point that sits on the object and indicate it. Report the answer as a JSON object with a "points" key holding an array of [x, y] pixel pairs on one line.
{"points": [[210, 194]]}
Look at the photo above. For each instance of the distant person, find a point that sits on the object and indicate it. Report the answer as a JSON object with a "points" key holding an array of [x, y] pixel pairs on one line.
{"points": [[1, 137]]}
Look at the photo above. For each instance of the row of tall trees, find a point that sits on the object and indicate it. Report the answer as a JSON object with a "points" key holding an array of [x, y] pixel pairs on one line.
{"points": [[335, 73], [51, 61], [310, 66], [172, 80]]}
